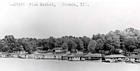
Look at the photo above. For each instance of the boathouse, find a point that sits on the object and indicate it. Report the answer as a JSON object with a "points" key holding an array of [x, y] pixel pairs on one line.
{"points": [[114, 58], [73, 57], [94, 56], [133, 58]]}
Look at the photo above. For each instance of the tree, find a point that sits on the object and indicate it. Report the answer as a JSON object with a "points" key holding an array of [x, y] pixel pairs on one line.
{"points": [[98, 36], [51, 42], [131, 48], [1, 45], [85, 40], [80, 45], [59, 42], [99, 46], [44, 43], [130, 44], [65, 46], [24, 44], [92, 46], [10, 43], [122, 42], [72, 46]]}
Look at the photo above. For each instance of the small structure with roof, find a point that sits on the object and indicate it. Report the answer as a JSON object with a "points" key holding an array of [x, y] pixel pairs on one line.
{"points": [[14, 55], [40, 50], [114, 58], [23, 56], [59, 50], [58, 56], [49, 56], [4, 55], [133, 58], [73, 57], [91, 56], [131, 53]]}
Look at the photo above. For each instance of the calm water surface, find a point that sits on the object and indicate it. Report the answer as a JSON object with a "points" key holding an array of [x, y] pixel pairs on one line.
{"points": [[9, 64]]}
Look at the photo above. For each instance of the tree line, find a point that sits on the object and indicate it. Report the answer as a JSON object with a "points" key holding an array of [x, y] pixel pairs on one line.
{"points": [[127, 40]]}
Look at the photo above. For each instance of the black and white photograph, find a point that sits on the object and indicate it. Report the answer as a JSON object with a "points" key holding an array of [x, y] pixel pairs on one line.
{"points": [[69, 35]]}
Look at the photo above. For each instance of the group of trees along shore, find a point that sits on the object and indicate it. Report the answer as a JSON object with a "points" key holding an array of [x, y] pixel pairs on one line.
{"points": [[127, 40]]}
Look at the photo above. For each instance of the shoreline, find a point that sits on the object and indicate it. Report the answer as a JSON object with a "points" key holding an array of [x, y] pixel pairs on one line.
{"points": [[117, 58], [64, 61], [15, 64], [74, 61]]}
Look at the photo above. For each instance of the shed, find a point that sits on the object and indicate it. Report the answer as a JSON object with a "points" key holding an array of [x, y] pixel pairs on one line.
{"points": [[91, 56], [59, 50], [49, 56], [73, 57], [133, 58], [115, 58]]}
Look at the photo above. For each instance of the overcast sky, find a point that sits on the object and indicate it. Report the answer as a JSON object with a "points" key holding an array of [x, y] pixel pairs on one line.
{"points": [[101, 16]]}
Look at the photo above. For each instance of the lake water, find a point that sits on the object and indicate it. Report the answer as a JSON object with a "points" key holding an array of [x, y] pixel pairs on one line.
{"points": [[13, 64]]}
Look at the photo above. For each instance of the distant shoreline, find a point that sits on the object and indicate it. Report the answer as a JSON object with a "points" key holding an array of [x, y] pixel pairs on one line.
{"points": [[83, 58], [115, 46]]}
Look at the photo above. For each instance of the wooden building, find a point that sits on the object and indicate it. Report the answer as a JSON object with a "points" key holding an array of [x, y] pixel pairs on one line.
{"points": [[59, 50], [133, 58], [114, 58], [91, 56], [4, 55], [73, 57], [49, 56]]}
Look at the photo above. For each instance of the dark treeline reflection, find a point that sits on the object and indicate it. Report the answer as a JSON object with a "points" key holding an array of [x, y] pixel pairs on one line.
{"points": [[127, 40]]}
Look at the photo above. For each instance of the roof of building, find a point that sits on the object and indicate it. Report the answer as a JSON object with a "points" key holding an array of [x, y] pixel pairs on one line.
{"points": [[114, 56], [3, 53], [131, 52], [134, 56], [58, 48], [74, 55], [93, 55]]}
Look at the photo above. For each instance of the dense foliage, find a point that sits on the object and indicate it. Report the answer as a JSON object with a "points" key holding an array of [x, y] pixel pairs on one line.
{"points": [[110, 43]]}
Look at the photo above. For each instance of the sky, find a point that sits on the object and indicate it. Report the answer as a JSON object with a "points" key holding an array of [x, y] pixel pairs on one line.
{"points": [[101, 16]]}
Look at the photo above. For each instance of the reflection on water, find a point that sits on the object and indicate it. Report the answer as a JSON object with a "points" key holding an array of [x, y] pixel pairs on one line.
{"points": [[9, 64]]}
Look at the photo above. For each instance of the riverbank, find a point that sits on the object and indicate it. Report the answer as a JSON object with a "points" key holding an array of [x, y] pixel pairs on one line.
{"points": [[15, 64], [118, 58]]}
